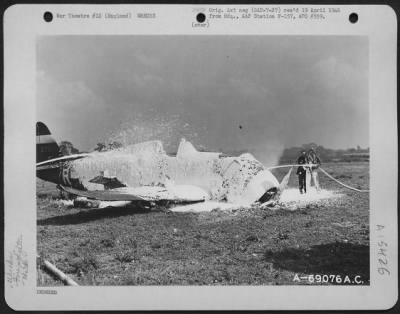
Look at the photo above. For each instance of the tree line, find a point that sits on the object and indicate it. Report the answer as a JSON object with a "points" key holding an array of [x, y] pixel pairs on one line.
{"points": [[291, 154], [67, 148]]}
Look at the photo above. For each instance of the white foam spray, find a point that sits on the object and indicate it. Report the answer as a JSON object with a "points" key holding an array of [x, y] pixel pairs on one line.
{"points": [[294, 196], [144, 127], [241, 179]]}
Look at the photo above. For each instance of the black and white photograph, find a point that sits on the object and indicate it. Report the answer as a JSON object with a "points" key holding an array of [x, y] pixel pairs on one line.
{"points": [[229, 160], [200, 157]]}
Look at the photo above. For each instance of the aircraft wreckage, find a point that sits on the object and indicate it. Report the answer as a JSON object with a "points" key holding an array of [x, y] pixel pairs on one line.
{"points": [[145, 173]]}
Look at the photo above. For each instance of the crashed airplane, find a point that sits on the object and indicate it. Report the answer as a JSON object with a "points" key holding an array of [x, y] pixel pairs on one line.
{"points": [[145, 173]]}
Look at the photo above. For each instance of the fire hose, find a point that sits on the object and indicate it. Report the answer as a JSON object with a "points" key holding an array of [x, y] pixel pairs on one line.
{"points": [[324, 172], [341, 183]]}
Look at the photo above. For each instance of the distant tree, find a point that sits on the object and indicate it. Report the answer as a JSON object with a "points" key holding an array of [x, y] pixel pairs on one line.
{"points": [[101, 147], [67, 148], [114, 145], [290, 154]]}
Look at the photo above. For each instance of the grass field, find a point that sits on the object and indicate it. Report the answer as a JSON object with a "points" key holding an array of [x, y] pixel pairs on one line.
{"points": [[130, 246]]}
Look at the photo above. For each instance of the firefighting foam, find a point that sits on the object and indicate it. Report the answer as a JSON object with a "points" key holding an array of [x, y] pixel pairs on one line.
{"points": [[241, 179]]}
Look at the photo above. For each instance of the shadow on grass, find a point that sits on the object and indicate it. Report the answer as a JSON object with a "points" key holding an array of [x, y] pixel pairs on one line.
{"points": [[344, 259], [90, 215]]}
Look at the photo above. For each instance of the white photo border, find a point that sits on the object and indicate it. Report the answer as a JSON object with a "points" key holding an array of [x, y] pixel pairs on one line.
{"points": [[24, 23]]}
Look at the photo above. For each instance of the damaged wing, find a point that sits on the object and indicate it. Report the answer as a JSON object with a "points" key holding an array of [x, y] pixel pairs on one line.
{"points": [[107, 195], [177, 194]]}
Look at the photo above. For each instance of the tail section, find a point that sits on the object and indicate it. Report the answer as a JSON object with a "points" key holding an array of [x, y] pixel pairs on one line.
{"points": [[46, 146]]}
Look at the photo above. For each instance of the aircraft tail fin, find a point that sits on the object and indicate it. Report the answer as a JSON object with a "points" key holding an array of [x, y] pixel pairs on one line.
{"points": [[46, 146]]}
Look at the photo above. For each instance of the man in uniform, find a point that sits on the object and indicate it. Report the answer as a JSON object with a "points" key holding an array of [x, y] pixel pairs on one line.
{"points": [[301, 172], [312, 158]]}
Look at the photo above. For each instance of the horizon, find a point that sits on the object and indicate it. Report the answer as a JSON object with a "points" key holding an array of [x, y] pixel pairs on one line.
{"points": [[358, 147]]}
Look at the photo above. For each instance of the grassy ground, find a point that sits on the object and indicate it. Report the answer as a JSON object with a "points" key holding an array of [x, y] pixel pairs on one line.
{"points": [[129, 246]]}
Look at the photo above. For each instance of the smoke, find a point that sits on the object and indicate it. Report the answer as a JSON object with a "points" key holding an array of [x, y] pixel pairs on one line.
{"points": [[268, 153], [262, 141], [168, 129]]}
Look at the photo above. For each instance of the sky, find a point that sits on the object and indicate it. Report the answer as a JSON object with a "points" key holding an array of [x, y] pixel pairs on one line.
{"points": [[229, 93]]}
